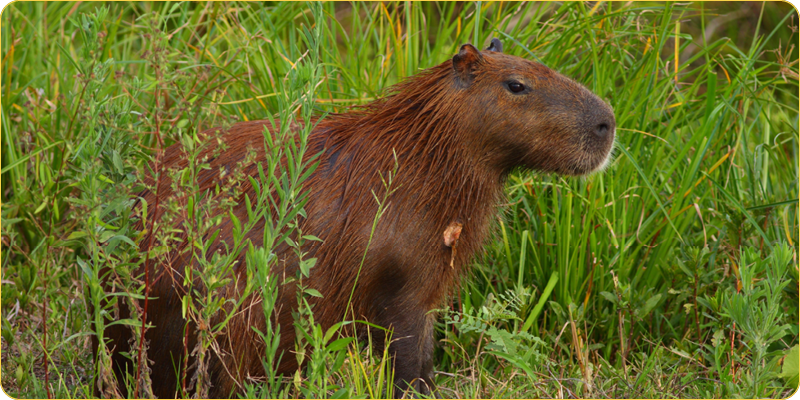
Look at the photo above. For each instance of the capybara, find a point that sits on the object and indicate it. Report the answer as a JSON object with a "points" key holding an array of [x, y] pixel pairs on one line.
{"points": [[453, 132]]}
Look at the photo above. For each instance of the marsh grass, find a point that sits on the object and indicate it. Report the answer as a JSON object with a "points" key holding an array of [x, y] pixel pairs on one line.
{"points": [[641, 281]]}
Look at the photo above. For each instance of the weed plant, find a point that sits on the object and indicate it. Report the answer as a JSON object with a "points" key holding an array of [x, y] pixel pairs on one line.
{"points": [[673, 273]]}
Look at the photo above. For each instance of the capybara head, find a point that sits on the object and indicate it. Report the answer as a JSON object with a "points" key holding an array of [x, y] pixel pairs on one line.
{"points": [[529, 115]]}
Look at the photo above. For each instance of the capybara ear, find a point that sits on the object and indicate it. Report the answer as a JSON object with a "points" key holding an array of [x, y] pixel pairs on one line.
{"points": [[464, 64], [496, 45]]}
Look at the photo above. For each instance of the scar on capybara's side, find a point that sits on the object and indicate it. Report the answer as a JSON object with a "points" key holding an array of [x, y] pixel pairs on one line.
{"points": [[455, 131]]}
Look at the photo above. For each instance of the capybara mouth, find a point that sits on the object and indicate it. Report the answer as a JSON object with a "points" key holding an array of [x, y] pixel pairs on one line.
{"points": [[600, 163], [592, 158]]}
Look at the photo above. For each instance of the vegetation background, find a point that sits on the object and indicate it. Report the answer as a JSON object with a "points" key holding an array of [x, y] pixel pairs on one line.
{"points": [[672, 274]]}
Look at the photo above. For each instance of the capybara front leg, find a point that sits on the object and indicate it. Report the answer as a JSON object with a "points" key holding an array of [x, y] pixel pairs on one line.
{"points": [[412, 351]]}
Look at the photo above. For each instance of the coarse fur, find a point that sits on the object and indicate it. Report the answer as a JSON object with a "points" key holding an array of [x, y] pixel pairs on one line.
{"points": [[455, 131]]}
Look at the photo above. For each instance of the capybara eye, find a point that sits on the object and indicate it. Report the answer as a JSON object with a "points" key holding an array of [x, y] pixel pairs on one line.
{"points": [[515, 87]]}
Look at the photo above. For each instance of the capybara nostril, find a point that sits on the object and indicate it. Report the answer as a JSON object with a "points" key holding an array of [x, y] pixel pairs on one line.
{"points": [[601, 130]]}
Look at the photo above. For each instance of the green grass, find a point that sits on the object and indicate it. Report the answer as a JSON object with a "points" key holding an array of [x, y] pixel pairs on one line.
{"points": [[651, 279]]}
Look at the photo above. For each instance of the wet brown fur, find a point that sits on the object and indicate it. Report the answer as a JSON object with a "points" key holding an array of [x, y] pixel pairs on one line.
{"points": [[457, 132]]}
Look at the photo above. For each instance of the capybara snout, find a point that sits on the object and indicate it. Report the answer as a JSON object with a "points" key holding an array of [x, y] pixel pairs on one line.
{"points": [[450, 135], [601, 130]]}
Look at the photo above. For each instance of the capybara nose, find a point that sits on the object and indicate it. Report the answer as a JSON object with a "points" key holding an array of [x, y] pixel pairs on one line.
{"points": [[602, 130], [598, 118]]}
